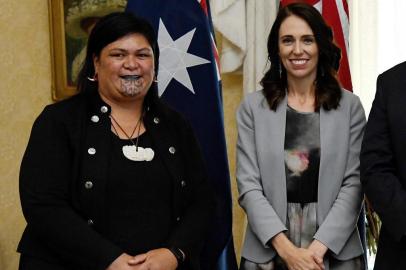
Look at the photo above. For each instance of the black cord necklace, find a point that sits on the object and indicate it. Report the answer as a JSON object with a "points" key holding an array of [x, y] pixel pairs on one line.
{"points": [[137, 126], [134, 152]]}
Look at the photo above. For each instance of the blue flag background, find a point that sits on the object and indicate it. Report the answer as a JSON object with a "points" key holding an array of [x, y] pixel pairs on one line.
{"points": [[189, 81]]}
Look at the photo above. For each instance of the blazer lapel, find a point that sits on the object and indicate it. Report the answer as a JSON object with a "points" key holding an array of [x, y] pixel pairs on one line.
{"points": [[328, 149], [272, 163]]}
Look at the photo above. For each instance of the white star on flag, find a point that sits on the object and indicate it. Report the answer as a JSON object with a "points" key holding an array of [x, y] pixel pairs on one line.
{"points": [[174, 59]]}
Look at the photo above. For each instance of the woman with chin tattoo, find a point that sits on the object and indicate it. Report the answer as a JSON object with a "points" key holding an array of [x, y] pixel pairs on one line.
{"points": [[298, 154], [112, 178]]}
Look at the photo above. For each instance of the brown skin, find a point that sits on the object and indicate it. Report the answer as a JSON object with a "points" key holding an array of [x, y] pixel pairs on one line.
{"points": [[121, 263], [157, 259], [129, 55]]}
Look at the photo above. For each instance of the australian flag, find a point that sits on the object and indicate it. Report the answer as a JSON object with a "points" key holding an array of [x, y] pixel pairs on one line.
{"points": [[189, 80]]}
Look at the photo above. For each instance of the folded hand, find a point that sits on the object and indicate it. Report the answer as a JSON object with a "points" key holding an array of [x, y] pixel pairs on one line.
{"points": [[156, 259]]}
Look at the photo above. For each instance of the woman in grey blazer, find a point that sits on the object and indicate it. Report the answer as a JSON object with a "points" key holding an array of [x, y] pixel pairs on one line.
{"points": [[298, 154]]}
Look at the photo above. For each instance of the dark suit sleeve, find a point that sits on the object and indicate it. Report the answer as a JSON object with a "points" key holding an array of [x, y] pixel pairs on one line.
{"points": [[45, 178], [197, 200], [378, 173]]}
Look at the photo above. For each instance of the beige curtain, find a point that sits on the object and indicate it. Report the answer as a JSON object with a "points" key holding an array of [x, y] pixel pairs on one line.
{"points": [[244, 25], [377, 41]]}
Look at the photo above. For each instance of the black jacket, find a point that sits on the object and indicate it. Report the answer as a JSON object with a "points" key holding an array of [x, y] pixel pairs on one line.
{"points": [[63, 214], [383, 166]]}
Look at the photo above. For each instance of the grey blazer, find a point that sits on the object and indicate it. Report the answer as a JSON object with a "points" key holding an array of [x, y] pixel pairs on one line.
{"points": [[261, 175]]}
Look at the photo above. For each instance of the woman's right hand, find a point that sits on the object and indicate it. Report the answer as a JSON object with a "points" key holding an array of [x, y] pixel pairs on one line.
{"points": [[294, 257], [122, 263], [302, 259]]}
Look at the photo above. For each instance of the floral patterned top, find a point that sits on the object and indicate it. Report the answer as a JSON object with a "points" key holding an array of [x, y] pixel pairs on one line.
{"points": [[302, 155]]}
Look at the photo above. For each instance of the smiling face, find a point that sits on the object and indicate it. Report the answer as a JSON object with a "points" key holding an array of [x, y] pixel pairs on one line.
{"points": [[125, 68], [298, 50]]}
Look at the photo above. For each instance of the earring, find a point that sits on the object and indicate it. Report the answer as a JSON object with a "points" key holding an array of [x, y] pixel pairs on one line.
{"points": [[94, 79], [280, 70]]}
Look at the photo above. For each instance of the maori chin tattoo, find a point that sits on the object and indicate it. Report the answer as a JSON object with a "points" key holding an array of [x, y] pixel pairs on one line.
{"points": [[131, 85]]}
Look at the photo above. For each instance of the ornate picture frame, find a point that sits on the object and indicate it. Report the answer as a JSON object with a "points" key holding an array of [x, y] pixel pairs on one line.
{"points": [[70, 22]]}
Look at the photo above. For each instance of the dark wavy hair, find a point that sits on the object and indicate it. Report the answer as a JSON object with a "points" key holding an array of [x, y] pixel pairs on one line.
{"points": [[107, 30], [274, 82]]}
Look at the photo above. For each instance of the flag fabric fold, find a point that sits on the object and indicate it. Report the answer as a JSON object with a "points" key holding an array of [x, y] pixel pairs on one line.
{"points": [[245, 26], [189, 80]]}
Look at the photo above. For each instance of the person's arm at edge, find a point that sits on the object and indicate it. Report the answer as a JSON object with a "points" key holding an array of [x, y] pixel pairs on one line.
{"points": [[378, 173], [44, 193]]}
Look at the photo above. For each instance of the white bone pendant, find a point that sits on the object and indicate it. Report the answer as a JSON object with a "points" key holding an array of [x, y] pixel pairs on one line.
{"points": [[143, 154]]}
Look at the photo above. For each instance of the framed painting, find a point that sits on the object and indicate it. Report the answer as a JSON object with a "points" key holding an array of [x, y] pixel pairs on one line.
{"points": [[70, 23]]}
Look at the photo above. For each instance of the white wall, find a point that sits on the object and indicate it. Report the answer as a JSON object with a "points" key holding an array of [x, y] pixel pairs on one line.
{"points": [[377, 42]]}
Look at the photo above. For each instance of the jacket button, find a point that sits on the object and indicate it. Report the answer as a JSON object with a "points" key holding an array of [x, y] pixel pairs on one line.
{"points": [[88, 184], [178, 219], [104, 109], [90, 222], [156, 120], [91, 151], [172, 150], [95, 119], [183, 183]]}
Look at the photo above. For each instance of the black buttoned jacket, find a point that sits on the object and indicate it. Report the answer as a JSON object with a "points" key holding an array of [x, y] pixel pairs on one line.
{"points": [[383, 166], [64, 210]]}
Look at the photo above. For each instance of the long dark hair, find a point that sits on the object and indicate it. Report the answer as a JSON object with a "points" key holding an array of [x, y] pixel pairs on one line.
{"points": [[107, 30], [274, 82]]}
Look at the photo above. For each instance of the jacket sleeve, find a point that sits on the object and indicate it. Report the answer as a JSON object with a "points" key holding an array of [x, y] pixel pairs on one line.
{"points": [[378, 172], [262, 218], [45, 178], [197, 203], [342, 218]]}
